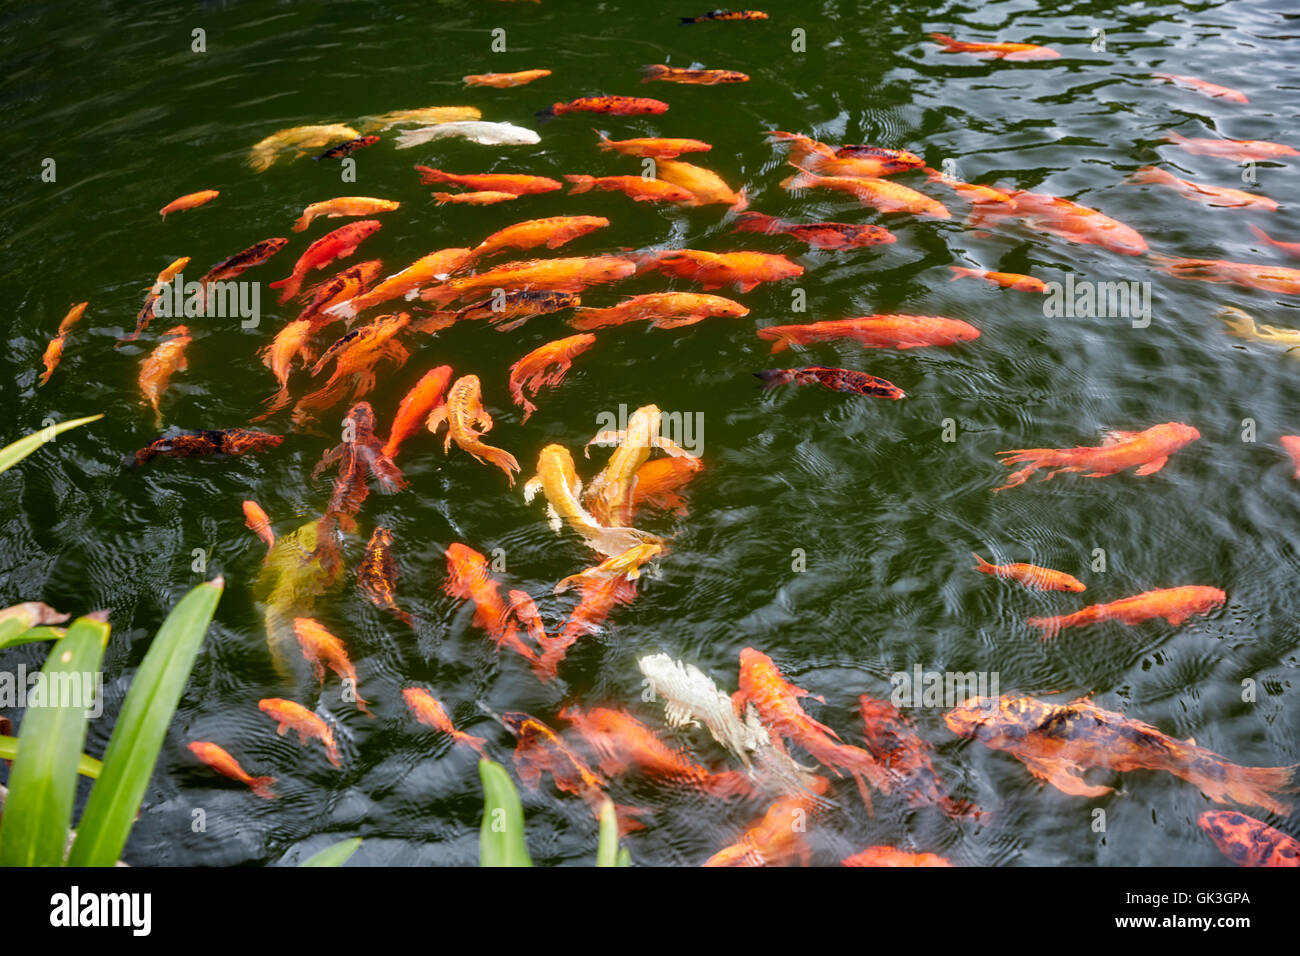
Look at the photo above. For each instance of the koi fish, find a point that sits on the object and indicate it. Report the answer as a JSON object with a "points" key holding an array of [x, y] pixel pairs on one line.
{"points": [[559, 482], [673, 74], [415, 407], [430, 116], [226, 765], [54, 351], [236, 265], [724, 16], [297, 139], [291, 341], [1064, 219], [157, 369], [652, 147], [190, 201], [545, 365], [344, 285], [657, 483], [622, 743], [1292, 248], [1201, 86], [874, 332], [1247, 841], [1175, 605], [1242, 325], [880, 194], [1291, 444], [322, 649], [1007, 280], [515, 183], [972, 192], [819, 235], [551, 233], [691, 699], [348, 148], [803, 149], [836, 379], [778, 704], [715, 269], [888, 856], [602, 589], [1057, 743], [501, 81], [344, 206], [610, 494], [377, 574], [486, 197], [204, 442], [1249, 275], [882, 160], [421, 272], [1031, 575], [519, 306], [998, 51], [705, 186], [294, 716], [895, 745], [638, 188], [355, 356], [339, 244], [358, 458], [156, 292], [665, 310], [609, 105], [1240, 150], [468, 580], [428, 710], [542, 275], [775, 839], [467, 422], [485, 134], [1210, 195], [1119, 450], [258, 522]]}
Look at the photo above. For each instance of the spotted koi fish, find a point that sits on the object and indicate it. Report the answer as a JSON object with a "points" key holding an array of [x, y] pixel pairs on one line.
{"points": [[726, 16], [609, 105], [819, 235], [836, 379], [377, 574], [358, 458], [348, 148], [205, 442], [895, 744], [1247, 841]]}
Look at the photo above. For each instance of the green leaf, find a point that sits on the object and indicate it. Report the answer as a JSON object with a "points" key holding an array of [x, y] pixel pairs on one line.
{"points": [[87, 766], [501, 837], [335, 855], [43, 782], [624, 857], [142, 724], [11, 636], [607, 849], [11, 455]]}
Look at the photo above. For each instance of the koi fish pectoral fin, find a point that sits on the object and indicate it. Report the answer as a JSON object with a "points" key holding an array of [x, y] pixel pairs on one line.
{"points": [[1151, 467], [553, 518], [1066, 777]]}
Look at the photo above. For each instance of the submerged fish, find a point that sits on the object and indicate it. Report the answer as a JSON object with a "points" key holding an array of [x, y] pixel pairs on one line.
{"points": [[1247, 841], [1240, 150], [156, 291], [503, 80], [1005, 280], [516, 183], [673, 74], [467, 422], [485, 134], [348, 148], [157, 369], [344, 206], [545, 275], [1175, 605], [775, 839], [204, 442], [377, 574], [297, 139], [1210, 195], [1146, 450], [653, 147], [1249, 275], [819, 235], [429, 116], [1201, 86], [359, 457], [1292, 248], [190, 201], [690, 699], [322, 649], [468, 580], [258, 522], [1000, 51], [896, 746], [836, 379], [609, 105], [664, 310], [226, 765], [610, 494], [888, 856], [484, 197], [234, 266], [882, 194], [54, 351], [637, 188], [602, 589], [715, 269], [874, 332], [1031, 575], [415, 407], [658, 481], [705, 186], [428, 710], [517, 305], [724, 16], [1063, 218], [545, 365], [293, 716]]}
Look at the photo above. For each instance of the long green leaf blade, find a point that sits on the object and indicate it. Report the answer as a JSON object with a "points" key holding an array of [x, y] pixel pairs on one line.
{"points": [[607, 849], [10, 455], [501, 837], [43, 783], [335, 855], [142, 724], [87, 766]]}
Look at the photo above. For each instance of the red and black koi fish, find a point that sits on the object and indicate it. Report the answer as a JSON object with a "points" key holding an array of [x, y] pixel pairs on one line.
{"points": [[348, 148], [357, 459], [609, 105], [819, 235], [722, 16], [836, 379], [204, 442]]}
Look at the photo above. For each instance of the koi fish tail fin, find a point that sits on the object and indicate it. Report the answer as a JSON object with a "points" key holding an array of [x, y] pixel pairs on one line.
{"points": [[291, 285], [780, 339], [546, 115], [301, 223], [503, 460], [1173, 137], [1251, 786], [946, 40], [428, 175], [262, 787], [773, 378], [332, 753], [800, 180], [277, 402], [685, 21], [962, 272], [981, 564], [1030, 455], [1261, 235], [624, 814], [653, 72], [1051, 626], [741, 203], [581, 184], [754, 222], [261, 159], [1149, 174], [615, 541], [731, 783]]}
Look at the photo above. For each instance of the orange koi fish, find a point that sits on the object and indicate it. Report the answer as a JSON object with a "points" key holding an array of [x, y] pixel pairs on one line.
{"points": [[819, 235], [519, 306], [355, 356], [653, 147], [322, 649], [998, 51], [610, 494], [880, 194], [433, 267], [483, 197], [1060, 217], [1057, 743], [226, 765], [705, 186], [1148, 449], [234, 266], [716, 269], [358, 458], [836, 379], [673, 74], [339, 244], [467, 422], [1293, 248], [468, 580], [665, 310], [344, 206], [551, 233], [1175, 605], [874, 332], [895, 745], [1247, 841], [1249, 275], [294, 340], [778, 704], [204, 442], [189, 201], [657, 483], [609, 105], [294, 716], [518, 184], [157, 369], [1239, 150], [804, 150], [258, 522], [777, 838], [888, 856], [377, 574], [147, 311], [1007, 280], [1031, 575], [858, 165], [501, 81], [1201, 86], [54, 351], [603, 589], [1291, 444], [545, 365], [724, 16], [415, 407], [1210, 195], [622, 743], [544, 275], [888, 160], [345, 285], [972, 192], [637, 188], [428, 710]]}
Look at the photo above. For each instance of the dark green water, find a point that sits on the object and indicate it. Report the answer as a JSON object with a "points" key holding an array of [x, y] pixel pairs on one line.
{"points": [[886, 511]]}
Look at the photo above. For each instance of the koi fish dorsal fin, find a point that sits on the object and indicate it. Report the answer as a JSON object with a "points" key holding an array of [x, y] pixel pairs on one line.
{"points": [[1114, 437]]}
